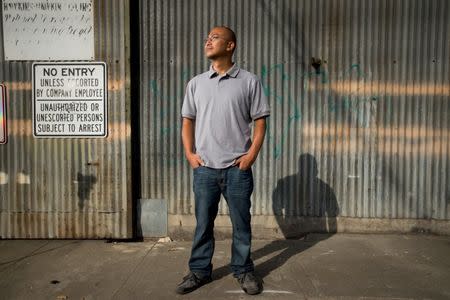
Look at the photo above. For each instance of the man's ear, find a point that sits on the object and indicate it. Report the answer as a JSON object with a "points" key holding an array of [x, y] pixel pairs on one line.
{"points": [[231, 46]]}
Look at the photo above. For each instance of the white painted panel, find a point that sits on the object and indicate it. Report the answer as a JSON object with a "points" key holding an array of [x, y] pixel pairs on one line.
{"points": [[48, 30]]}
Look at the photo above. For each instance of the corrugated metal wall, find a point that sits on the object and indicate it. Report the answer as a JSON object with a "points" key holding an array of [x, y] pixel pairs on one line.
{"points": [[361, 133], [70, 188]]}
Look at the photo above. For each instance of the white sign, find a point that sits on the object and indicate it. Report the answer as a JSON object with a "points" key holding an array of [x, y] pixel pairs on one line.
{"points": [[48, 30], [3, 132], [70, 100]]}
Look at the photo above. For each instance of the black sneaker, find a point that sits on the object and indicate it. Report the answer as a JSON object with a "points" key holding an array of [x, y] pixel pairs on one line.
{"points": [[250, 283], [191, 282]]}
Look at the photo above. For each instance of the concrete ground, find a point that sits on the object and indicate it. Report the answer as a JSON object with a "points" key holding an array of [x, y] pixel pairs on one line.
{"points": [[341, 266]]}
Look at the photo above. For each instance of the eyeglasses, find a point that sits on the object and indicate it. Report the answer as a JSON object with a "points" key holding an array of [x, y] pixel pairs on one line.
{"points": [[213, 38]]}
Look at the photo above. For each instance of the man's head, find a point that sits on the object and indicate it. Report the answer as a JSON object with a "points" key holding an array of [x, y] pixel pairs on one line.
{"points": [[221, 42]]}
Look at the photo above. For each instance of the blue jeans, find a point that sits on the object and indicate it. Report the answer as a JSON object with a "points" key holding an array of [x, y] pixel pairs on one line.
{"points": [[236, 186]]}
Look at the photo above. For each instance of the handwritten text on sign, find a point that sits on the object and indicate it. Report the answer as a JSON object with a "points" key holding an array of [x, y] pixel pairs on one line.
{"points": [[69, 99], [3, 132], [48, 30]]}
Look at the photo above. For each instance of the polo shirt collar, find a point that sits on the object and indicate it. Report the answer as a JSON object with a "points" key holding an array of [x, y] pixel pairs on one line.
{"points": [[232, 72]]}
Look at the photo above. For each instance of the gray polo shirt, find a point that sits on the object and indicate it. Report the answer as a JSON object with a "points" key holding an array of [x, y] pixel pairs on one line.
{"points": [[223, 108]]}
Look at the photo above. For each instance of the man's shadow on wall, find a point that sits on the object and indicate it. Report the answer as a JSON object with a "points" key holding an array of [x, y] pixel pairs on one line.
{"points": [[302, 203]]}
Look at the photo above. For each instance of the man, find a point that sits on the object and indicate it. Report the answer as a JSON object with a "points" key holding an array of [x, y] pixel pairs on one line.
{"points": [[218, 110]]}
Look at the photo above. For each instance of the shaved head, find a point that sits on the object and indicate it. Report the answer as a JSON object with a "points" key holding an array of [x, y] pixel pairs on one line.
{"points": [[228, 33]]}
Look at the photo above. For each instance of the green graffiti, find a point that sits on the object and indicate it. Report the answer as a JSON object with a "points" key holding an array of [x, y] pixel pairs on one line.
{"points": [[347, 73], [360, 107], [168, 103]]}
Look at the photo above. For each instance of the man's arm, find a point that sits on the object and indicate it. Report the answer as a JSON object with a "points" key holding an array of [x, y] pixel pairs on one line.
{"points": [[246, 161], [188, 137]]}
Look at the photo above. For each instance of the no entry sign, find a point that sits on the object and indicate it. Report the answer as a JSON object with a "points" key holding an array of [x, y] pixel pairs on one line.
{"points": [[70, 100]]}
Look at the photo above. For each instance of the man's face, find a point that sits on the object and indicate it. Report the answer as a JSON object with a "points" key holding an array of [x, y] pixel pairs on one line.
{"points": [[217, 44]]}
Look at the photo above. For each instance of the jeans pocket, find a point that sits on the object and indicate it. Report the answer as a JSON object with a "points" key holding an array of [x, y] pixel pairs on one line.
{"points": [[249, 170]]}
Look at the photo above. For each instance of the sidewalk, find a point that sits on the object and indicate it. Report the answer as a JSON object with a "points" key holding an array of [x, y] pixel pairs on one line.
{"points": [[345, 266]]}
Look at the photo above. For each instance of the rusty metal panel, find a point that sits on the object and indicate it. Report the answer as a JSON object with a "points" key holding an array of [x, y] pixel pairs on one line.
{"points": [[359, 92], [70, 188]]}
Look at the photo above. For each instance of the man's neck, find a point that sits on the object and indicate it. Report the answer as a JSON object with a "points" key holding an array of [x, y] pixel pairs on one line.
{"points": [[222, 65]]}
